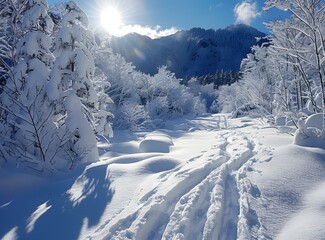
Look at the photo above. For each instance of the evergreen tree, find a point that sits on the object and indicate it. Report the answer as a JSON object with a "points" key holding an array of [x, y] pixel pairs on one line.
{"points": [[28, 134], [49, 109], [71, 90]]}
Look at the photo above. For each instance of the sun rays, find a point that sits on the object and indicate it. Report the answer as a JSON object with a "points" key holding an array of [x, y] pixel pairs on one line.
{"points": [[111, 19]]}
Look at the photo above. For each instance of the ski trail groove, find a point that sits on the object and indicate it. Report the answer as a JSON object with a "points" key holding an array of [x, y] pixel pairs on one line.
{"points": [[153, 212], [210, 192], [249, 224]]}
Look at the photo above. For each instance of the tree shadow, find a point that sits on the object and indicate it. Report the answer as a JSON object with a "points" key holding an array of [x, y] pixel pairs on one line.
{"points": [[67, 205]]}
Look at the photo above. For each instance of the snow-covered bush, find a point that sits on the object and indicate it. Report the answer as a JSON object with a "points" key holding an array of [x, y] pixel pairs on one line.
{"points": [[167, 98], [309, 132], [203, 91], [131, 115], [140, 100]]}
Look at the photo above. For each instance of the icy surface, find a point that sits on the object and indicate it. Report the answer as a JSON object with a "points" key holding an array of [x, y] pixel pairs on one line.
{"points": [[240, 180]]}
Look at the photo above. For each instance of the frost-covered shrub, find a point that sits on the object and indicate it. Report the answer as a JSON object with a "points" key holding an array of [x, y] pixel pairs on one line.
{"points": [[158, 108], [167, 98], [206, 93], [152, 99], [133, 116], [228, 98], [309, 132], [214, 107]]}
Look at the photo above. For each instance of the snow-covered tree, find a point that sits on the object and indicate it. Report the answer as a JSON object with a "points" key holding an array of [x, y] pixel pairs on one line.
{"points": [[167, 98], [28, 134], [11, 12], [140, 100], [71, 90], [120, 81], [286, 79], [307, 47], [49, 109]]}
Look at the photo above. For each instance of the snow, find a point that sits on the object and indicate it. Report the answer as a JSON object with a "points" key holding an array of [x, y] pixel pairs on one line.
{"points": [[306, 224], [199, 178], [76, 122], [315, 120], [156, 142], [36, 215]]}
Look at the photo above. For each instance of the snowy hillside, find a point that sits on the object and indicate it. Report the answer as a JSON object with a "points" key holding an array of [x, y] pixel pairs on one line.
{"points": [[201, 178], [196, 52]]}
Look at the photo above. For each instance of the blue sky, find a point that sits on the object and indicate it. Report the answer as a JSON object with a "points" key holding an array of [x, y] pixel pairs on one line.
{"points": [[182, 14]]}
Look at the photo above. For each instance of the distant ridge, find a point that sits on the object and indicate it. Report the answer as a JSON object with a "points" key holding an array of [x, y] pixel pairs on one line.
{"points": [[196, 52]]}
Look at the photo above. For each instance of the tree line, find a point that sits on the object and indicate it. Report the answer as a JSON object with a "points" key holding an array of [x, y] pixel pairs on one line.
{"points": [[61, 87], [284, 79]]}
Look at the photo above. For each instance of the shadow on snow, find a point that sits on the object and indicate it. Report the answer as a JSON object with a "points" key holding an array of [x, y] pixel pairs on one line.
{"points": [[70, 205]]}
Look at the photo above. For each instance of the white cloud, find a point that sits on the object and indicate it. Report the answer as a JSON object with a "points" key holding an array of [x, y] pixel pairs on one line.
{"points": [[246, 12], [152, 32]]}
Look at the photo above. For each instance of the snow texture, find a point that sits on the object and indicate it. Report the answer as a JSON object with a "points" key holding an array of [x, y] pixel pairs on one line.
{"points": [[156, 142], [244, 182]]}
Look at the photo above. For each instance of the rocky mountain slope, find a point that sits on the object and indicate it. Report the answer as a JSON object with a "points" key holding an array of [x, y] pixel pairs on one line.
{"points": [[196, 52]]}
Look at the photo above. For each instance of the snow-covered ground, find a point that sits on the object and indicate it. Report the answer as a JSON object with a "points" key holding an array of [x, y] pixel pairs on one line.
{"points": [[203, 178]]}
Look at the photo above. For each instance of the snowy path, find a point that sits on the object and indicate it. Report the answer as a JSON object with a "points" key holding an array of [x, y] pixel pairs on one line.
{"points": [[210, 192], [212, 180]]}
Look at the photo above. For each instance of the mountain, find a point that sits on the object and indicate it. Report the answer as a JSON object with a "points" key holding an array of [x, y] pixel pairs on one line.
{"points": [[196, 52]]}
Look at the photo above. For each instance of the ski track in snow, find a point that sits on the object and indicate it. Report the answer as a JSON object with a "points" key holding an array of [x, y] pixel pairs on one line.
{"points": [[208, 184], [210, 192]]}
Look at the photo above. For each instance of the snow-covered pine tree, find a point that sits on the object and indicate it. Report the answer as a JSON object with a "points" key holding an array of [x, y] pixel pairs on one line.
{"points": [[71, 89], [10, 33], [28, 134]]}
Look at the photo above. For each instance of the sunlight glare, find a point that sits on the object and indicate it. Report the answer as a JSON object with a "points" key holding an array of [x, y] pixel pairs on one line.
{"points": [[111, 20]]}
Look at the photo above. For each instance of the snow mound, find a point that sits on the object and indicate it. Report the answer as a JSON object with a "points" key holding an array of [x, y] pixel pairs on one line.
{"points": [[303, 140], [160, 164], [119, 148], [309, 133], [305, 223], [131, 158], [315, 121], [156, 142]]}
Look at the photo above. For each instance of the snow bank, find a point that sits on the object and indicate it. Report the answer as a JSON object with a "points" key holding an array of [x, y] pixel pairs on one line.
{"points": [[306, 224], [315, 120], [156, 142], [309, 133], [246, 182], [159, 164], [11, 181]]}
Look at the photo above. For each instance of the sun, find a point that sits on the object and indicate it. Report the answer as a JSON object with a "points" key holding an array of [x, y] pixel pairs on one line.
{"points": [[111, 20]]}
